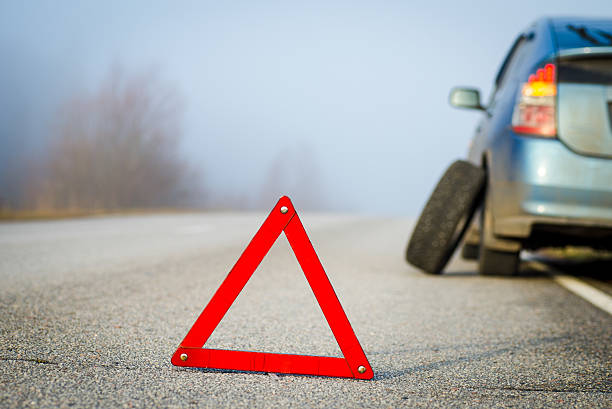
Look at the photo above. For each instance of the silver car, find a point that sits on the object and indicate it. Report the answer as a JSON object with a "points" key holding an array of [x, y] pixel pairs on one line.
{"points": [[539, 170]]}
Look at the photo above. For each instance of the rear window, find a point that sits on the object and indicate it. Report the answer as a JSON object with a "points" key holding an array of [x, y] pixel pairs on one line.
{"points": [[586, 71], [583, 34]]}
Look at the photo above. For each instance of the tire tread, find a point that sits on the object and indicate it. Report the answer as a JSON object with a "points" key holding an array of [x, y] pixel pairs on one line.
{"points": [[455, 197]]}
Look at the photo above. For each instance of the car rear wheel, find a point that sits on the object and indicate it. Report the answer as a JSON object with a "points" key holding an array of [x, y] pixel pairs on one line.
{"points": [[494, 261], [470, 251], [445, 217], [499, 263]]}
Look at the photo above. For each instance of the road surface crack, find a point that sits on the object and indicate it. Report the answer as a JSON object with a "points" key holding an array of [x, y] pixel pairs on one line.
{"points": [[36, 360], [585, 389]]}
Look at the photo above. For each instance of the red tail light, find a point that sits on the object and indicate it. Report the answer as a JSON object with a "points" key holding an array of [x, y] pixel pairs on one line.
{"points": [[535, 110]]}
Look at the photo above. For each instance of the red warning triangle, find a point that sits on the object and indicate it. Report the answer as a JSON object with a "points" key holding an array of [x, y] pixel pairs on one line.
{"points": [[283, 218]]}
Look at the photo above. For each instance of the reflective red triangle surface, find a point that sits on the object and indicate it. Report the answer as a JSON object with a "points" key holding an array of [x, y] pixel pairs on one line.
{"points": [[283, 218]]}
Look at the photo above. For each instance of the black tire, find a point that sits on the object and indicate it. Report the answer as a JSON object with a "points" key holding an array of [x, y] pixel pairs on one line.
{"points": [[446, 217], [497, 263], [470, 251], [494, 262]]}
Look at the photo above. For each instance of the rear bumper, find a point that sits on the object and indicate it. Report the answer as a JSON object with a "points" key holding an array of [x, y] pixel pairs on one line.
{"points": [[542, 182]]}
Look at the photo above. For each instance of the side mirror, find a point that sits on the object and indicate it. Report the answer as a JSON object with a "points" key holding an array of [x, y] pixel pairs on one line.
{"points": [[465, 98]]}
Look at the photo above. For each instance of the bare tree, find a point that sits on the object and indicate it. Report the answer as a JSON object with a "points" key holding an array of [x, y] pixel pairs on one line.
{"points": [[116, 148]]}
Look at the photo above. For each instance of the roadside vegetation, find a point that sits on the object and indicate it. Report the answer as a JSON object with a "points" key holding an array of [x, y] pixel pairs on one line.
{"points": [[113, 150]]}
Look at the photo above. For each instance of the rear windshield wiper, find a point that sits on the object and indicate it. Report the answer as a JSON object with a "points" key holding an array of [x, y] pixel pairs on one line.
{"points": [[584, 34], [606, 35]]}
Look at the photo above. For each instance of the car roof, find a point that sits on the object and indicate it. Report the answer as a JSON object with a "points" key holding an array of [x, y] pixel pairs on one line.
{"points": [[580, 32]]}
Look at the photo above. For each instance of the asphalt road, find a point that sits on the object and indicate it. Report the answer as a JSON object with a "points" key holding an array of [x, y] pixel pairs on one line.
{"points": [[92, 310]]}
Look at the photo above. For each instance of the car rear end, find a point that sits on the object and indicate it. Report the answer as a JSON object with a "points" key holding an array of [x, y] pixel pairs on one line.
{"points": [[557, 183]]}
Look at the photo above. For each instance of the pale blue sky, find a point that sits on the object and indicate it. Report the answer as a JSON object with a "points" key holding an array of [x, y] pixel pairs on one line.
{"points": [[273, 90]]}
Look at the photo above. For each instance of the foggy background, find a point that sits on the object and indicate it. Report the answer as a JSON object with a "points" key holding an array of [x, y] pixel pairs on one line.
{"points": [[341, 105]]}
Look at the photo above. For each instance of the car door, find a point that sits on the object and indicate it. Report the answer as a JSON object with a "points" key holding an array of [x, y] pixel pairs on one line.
{"points": [[502, 90]]}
